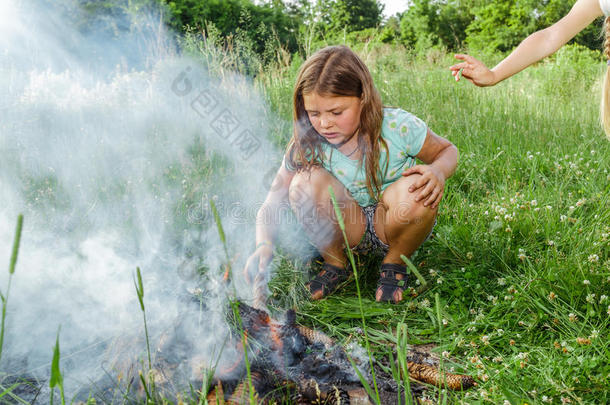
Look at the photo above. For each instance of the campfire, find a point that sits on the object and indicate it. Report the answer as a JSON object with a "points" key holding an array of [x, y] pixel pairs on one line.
{"points": [[273, 361], [292, 363]]}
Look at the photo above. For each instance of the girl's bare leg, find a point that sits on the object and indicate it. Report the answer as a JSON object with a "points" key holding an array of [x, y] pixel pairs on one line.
{"points": [[402, 223], [310, 200]]}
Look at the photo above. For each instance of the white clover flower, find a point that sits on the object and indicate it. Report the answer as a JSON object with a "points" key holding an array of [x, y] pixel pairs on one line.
{"points": [[550, 242], [590, 298], [500, 332], [593, 258], [581, 202], [533, 203], [522, 355], [562, 218], [433, 273], [586, 282], [603, 298], [548, 207], [594, 334], [501, 281]]}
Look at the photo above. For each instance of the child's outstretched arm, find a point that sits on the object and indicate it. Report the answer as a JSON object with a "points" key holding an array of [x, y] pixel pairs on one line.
{"points": [[440, 157], [535, 47], [267, 222]]}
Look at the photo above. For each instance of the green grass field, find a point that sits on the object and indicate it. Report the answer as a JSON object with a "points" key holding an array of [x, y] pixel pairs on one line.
{"points": [[520, 254], [519, 257]]}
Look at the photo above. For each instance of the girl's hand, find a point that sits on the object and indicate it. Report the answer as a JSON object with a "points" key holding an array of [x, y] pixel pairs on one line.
{"points": [[473, 70], [257, 263], [431, 184]]}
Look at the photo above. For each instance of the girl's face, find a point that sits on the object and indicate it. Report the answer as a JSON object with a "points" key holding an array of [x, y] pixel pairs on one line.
{"points": [[336, 118]]}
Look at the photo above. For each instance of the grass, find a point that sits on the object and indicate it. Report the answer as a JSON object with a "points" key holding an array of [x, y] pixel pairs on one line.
{"points": [[519, 260], [519, 257]]}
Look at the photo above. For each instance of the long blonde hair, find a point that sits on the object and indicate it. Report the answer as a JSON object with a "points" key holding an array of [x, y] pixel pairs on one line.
{"points": [[337, 71], [605, 104]]}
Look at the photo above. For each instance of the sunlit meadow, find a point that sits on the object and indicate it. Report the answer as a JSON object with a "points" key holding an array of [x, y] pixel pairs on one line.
{"points": [[520, 253], [519, 257]]}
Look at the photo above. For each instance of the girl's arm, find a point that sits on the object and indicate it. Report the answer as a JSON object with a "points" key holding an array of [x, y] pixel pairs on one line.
{"points": [[440, 157], [535, 47], [267, 217], [267, 222]]}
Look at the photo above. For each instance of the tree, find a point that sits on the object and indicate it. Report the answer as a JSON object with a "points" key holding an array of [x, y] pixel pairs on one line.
{"points": [[501, 25], [436, 23]]}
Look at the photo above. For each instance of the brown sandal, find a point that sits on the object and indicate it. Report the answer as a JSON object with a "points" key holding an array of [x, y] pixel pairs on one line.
{"points": [[327, 281], [389, 284]]}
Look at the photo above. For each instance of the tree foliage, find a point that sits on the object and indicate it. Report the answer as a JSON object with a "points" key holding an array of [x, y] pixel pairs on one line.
{"points": [[436, 23], [263, 26], [501, 25]]}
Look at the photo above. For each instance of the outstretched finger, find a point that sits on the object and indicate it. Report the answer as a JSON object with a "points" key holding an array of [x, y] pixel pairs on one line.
{"points": [[465, 58], [458, 66]]}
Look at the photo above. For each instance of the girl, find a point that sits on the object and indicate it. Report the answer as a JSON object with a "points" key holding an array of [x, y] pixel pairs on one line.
{"points": [[541, 44], [343, 138]]}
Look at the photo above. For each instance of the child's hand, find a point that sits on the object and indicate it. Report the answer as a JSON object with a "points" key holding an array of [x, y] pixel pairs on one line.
{"points": [[473, 70], [256, 274], [257, 263], [431, 184]]}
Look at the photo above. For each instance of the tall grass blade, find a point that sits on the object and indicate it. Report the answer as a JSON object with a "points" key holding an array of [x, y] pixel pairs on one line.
{"points": [[402, 349], [16, 243], [223, 239], [441, 367], [56, 377], [244, 340], [11, 271], [140, 291], [414, 270], [355, 270]]}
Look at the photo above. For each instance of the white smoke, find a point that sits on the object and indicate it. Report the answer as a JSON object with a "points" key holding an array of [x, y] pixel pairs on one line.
{"points": [[101, 139]]}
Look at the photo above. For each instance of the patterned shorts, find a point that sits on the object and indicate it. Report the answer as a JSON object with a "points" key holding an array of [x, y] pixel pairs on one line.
{"points": [[370, 242]]}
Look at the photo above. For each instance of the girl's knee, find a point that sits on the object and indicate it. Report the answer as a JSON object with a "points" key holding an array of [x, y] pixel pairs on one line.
{"points": [[308, 184], [401, 204]]}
